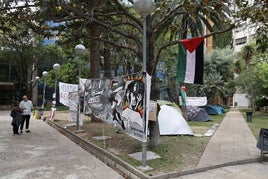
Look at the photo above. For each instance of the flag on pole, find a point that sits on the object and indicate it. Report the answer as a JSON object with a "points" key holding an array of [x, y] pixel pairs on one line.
{"points": [[191, 60]]}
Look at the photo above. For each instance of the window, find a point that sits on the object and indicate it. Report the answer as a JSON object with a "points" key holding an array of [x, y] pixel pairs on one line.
{"points": [[241, 41]]}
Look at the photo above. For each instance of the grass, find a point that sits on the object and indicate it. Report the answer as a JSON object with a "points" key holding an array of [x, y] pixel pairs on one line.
{"points": [[259, 120], [177, 152]]}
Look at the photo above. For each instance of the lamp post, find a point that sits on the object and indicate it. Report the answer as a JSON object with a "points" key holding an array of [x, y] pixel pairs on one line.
{"points": [[37, 78], [44, 74], [79, 51], [144, 8], [56, 67]]}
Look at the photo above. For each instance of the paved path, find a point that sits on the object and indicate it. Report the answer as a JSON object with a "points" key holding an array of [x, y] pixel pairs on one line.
{"points": [[45, 153], [232, 141], [245, 171]]}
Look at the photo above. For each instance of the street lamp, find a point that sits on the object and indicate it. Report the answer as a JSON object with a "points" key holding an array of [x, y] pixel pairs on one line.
{"points": [[144, 8], [44, 74], [37, 78], [56, 67], [79, 51]]}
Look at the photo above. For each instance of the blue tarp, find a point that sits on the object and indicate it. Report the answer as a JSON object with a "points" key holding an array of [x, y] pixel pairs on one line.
{"points": [[214, 110]]}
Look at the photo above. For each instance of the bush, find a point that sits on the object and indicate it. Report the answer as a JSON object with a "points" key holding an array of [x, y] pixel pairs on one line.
{"points": [[261, 103]]}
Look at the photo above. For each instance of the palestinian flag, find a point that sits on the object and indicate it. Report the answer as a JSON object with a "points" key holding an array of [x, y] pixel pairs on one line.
{"points": [[191, 60]]}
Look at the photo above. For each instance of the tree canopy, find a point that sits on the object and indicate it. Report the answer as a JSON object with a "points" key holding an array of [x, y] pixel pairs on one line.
{"points": [[112, 29], [252, 78]]}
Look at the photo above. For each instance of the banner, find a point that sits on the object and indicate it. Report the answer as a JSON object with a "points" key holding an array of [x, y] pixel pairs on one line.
{"points": [[52, 114], [64, 90], [73, 101], [195, 101], [119, 101]]}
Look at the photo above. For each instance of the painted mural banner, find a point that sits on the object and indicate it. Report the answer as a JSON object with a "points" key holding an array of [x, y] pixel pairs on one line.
{"points": [[69, 97], [119, 101], [64, 90]]}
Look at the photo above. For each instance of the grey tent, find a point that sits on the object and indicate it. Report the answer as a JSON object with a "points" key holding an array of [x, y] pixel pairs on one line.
{"points": [[197, 114]]}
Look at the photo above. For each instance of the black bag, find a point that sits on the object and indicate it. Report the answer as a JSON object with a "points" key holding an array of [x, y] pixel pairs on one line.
{"points": [[16, 120]]}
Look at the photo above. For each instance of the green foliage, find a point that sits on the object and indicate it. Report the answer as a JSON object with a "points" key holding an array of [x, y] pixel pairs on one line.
{"points": [[249, 83], [259, 121], [252, 78], [260, 103], [218, 76], [213, 86], [221, 61], [222, 40], [68, 72], [120, 30], [263, 73], [257, 13]]}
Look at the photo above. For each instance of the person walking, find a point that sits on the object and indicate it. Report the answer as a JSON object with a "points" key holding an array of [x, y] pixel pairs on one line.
{"points": [[26, 105], [16, 114]]}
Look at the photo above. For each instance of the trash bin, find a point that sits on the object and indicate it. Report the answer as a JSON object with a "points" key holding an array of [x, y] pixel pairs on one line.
{"points": [[262, 142], [41, 112], [249, 116]]}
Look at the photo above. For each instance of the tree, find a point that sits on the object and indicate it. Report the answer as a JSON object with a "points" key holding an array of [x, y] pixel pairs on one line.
{"points": [[263, 74], [18, 46], [218, 76], [214, 86], [124, 25], [249, 82], [116, 18], [22, 47], [257, 14], [222, 40], [251, 79]]}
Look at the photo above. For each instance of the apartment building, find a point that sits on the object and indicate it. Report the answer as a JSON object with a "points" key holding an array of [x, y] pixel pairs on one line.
{"points": [[242, 34]]}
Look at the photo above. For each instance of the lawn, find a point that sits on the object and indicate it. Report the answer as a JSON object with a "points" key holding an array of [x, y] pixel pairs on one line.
{"points": [[177, 152], [259, 120]]}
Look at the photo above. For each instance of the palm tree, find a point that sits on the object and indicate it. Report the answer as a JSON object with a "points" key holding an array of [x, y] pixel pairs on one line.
{"points": [[218, 75], [213, 86]]}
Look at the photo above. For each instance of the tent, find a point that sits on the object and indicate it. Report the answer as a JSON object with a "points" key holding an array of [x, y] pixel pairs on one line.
{"points": [[197, 114], [214, 110], [171, 122]]}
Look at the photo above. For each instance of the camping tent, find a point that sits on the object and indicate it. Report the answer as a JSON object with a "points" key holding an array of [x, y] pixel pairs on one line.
{"points": [[171, 122], [214, 109], [197, 114]]}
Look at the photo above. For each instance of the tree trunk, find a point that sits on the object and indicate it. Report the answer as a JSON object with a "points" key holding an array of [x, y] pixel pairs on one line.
{"points": [[107, 62], [95, 53], [154, 131], [150, 67], [95, 58], [184, 27]]}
